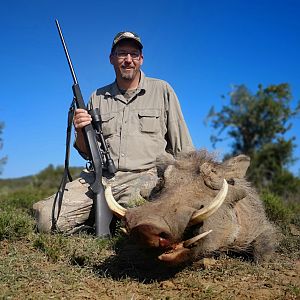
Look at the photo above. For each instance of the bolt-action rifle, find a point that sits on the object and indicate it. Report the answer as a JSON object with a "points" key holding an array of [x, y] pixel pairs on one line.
{"points": [[98, 155]]}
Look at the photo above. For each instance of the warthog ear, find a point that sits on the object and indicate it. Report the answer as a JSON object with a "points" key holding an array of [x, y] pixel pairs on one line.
{"points": [[235, 194], [212, 175], [236, 167]]}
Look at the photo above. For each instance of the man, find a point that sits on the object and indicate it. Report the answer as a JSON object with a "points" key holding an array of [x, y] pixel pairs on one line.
{"points": [[141, 122]]}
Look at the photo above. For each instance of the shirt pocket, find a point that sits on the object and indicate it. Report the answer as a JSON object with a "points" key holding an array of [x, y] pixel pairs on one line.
{"points": [[109, 124], [149, 120]]}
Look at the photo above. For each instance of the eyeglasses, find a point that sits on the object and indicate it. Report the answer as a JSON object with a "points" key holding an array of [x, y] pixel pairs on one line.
{"points": [[123, 54]]}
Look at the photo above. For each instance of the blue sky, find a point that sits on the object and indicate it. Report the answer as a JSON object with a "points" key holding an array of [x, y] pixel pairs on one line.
{"points": [[202, 48]]}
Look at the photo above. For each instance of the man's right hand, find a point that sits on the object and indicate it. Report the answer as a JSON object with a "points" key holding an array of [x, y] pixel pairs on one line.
{"points": [[81, 119]]}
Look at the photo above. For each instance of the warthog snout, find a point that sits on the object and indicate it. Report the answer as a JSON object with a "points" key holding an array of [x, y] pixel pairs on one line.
{"points": [[151, 236]]}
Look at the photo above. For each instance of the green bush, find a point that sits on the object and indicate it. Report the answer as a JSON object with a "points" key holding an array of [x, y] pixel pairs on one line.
{"points": [[277, 211], [23, 198], [52, 245], [295, 208], [14, 224]]}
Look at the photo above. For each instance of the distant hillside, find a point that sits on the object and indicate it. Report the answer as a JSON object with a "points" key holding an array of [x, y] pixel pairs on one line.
{"points": [[48, 178]]}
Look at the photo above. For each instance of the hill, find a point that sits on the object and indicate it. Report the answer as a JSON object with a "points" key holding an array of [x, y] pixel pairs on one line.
{"points": [[49, 178]]}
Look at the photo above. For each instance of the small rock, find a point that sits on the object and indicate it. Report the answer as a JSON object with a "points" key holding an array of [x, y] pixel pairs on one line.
{"points": [[268, 285], [290, 273], [297, 264], [167, 284], [294, 230], [207, 263]]}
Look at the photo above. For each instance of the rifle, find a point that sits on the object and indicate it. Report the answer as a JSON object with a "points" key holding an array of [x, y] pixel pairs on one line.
{"points": [[99, 156]]}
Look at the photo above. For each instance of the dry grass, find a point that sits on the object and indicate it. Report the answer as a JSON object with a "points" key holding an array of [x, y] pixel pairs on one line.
{"points": [[82, 267], [41, 266]]}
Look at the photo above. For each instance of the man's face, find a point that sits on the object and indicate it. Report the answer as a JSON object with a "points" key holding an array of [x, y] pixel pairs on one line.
{"points": [[127, 60]]}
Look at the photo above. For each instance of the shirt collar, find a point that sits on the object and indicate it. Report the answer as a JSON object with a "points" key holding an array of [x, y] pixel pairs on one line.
{"points": [[115, 92]]}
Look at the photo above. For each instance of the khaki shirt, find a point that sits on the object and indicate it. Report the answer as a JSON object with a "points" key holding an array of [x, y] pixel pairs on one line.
{"points": [[144, 127]]}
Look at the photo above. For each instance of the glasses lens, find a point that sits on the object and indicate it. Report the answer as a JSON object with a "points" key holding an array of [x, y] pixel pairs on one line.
{"points": [[124, 54]]}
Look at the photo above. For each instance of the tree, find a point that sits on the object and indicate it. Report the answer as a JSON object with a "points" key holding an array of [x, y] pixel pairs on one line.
{"points": [[258, 124], [3, 159]]}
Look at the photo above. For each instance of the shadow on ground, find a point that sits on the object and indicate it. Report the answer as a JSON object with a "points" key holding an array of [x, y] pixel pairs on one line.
{"points": [[131, 261]]}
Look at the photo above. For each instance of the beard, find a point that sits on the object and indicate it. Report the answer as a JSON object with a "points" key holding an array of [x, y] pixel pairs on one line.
{"points": [[128, 74]]}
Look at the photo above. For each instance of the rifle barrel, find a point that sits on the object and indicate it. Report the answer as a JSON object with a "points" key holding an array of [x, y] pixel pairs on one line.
{"points": [[103, 214], [66, 52]]}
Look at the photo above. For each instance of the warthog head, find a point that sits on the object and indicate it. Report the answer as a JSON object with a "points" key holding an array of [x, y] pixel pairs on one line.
{"points": [[203, 206]]}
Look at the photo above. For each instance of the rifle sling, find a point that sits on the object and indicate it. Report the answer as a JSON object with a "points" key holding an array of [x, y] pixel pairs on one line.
{"points": [[66, 175]]}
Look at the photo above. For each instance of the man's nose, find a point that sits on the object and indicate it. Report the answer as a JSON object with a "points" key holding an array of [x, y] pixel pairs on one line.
{"points": [[128, 57]]}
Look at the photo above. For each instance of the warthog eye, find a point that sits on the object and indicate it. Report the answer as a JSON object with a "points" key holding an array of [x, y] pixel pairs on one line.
{"points": [[230, 181], [164, 235]]}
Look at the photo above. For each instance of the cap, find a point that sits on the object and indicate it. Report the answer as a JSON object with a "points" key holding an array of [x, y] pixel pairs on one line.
{"points": [[127, 35]]}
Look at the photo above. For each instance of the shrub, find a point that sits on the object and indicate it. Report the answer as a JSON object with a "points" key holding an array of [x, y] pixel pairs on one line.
{"points": [[22, 199], [276, 210], [52, 245], [14, 224]]}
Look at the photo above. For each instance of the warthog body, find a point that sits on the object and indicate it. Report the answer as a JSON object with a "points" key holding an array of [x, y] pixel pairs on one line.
{"points": [[171, 221]]}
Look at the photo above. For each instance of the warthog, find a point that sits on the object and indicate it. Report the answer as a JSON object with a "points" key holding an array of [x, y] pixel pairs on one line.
{"points": [[203, 207]]}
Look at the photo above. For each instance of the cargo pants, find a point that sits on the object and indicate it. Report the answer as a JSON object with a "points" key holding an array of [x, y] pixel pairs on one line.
{"points": [[128, 189]]}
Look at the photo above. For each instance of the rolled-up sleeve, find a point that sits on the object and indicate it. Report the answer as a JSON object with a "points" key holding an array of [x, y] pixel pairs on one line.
{"points": [[178, 136], [143, 128]]}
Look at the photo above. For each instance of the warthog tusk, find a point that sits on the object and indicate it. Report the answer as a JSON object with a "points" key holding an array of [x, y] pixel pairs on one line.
{"points": [[189, 243], [114, 206], [203, 214], [124, 230]]}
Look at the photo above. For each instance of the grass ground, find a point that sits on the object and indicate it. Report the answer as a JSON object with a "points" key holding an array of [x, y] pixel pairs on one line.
{"points": [[45, 266], [41, 266]]}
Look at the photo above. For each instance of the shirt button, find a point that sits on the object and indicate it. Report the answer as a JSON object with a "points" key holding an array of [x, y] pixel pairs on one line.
{"points": [[122, 154]]}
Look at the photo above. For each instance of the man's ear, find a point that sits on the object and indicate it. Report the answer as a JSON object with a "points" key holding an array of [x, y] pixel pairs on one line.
{"points": [[142, 59], [111, 57]]}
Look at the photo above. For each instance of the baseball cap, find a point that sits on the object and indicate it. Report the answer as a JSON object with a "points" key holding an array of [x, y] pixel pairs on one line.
{"points": [[127, 35]]}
